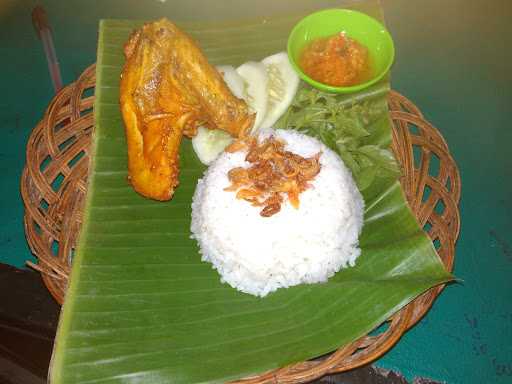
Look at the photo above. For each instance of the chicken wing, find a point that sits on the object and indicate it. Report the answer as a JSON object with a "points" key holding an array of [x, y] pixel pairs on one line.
{"points": [[167, 90]]}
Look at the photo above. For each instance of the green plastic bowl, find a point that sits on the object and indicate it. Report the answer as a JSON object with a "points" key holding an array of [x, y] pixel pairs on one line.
{"points": [[359, 26]]}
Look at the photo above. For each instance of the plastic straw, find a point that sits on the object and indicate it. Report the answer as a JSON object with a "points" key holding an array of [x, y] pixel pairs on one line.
{"points": [[43, 30]]}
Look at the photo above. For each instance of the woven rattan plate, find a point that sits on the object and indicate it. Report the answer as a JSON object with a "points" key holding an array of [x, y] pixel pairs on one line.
{"points": [[54, 184]]}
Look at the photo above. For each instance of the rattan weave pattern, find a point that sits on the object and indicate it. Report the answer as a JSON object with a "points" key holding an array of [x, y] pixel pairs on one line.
{"points": [[54, 184]]}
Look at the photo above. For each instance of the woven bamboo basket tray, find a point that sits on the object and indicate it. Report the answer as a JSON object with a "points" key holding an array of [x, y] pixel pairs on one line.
{"points": [[54, 184]]}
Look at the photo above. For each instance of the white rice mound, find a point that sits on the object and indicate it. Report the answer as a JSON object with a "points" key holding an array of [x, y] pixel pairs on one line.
{"points": [[258, 255]]}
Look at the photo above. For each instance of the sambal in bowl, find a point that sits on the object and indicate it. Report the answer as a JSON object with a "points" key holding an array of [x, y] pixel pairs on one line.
{"points": [[340, 50]]}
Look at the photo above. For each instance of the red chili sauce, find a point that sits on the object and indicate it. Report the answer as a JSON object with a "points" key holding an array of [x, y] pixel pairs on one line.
{"points": [[336, 60]]}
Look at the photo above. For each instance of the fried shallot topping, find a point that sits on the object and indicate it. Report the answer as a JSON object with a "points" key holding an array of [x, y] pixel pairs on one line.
{"points": [[273, 175]]}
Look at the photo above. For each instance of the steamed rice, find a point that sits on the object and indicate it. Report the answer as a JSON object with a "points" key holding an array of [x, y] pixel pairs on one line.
{"points": [[258, 255]]}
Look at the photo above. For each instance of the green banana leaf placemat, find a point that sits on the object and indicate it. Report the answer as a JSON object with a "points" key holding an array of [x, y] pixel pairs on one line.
{"points": [[142, 307]]}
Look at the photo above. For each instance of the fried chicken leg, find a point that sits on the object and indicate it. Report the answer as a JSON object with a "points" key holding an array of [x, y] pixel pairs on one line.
{"points": [[167, 90]]}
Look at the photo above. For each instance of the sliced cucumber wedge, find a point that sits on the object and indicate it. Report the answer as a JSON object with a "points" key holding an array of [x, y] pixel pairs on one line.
{"points": [[234, 81], [283, 82], [208, 144], [256, 82]]}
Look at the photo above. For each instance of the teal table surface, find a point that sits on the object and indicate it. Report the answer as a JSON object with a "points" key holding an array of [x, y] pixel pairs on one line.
{"points": [[453, 60]]}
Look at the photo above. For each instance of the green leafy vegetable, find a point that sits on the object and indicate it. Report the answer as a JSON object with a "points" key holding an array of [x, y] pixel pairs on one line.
{"points": [[348, 126]]}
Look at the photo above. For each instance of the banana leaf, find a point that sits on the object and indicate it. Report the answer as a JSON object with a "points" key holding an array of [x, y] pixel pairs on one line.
{"points": [[142, 307]]}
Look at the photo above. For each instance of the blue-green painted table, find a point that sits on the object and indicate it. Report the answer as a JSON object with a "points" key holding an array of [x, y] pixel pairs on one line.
{"points": [[453, 61]]}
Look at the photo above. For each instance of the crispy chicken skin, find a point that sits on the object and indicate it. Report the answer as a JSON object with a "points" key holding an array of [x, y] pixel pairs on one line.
{"points": [[167, 90]]}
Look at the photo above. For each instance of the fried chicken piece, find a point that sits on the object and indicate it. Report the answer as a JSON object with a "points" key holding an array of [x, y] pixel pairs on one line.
{"points": [[167, 90]]}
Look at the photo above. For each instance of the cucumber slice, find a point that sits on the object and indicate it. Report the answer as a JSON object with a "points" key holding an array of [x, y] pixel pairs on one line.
{"points": [[208, 144], [234, 81], [283, 82], [256, 82]]}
